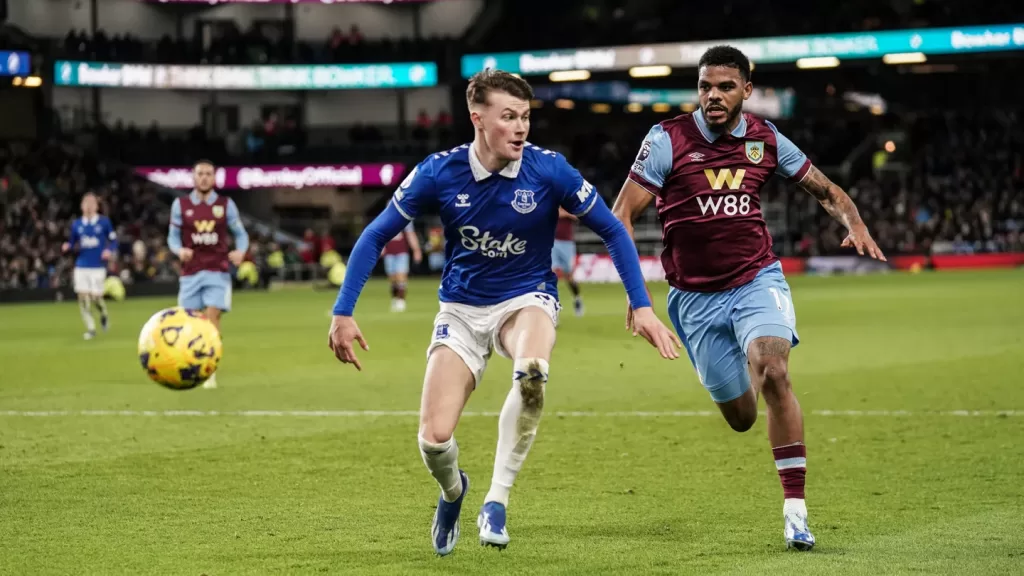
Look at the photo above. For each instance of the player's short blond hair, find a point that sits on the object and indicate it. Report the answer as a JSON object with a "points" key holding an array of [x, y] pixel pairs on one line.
{"points": [[483, 83]]}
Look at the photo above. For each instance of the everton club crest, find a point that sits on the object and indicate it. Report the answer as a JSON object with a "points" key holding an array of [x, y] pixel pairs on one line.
{"points": [[524, 202], [755, 151], [218, 211]]}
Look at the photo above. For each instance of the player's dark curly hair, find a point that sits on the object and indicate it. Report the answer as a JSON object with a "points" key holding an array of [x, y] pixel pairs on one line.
{"points": [[483, 83], [726, 56]]}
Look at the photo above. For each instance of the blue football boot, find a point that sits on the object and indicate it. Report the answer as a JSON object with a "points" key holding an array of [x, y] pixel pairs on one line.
{"points": [[491, 522], [444, 530]]}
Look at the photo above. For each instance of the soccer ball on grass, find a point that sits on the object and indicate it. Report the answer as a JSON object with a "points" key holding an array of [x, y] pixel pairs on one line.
{"points": [[179, 349]]}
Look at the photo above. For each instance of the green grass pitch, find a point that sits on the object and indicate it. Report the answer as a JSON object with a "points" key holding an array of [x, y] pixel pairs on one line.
{"points": [[633, 471]]}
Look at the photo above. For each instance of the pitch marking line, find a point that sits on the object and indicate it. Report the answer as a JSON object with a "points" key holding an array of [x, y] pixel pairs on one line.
{"points": [[411, 413]]}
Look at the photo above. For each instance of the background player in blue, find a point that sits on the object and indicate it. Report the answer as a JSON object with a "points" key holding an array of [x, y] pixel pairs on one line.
{"points": [[498, 199], [729, 300], [96, 241]]}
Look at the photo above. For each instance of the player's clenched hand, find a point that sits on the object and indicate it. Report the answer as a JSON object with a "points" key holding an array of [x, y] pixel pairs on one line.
{"points": [[343, 331], [646, 324], [185, 254], [236, 257], [105, 255], [860, 239]]}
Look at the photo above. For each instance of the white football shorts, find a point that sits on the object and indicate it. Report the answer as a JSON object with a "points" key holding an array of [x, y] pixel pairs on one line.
{"points": [[89, 280], [473, 331]]}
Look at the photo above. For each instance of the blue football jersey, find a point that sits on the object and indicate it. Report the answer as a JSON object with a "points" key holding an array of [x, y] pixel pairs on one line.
{"points": [[91, 237], [499, 227]]}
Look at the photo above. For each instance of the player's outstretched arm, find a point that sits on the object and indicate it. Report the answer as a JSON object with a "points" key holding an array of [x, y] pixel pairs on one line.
{"points": [[174, 233], [839, 204], [111, 242], [627, 263], [414, 243], [72, 239], [630, 204], [238, 231], [344, 329], [633, 199]]}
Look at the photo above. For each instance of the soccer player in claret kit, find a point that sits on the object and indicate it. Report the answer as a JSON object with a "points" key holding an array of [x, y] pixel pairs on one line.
{"points": [[728, 298], [396, 264], [498, 200], [201, 226], [96, 241]]}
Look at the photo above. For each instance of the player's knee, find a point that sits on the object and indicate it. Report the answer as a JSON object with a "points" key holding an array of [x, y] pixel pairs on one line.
{"points": [[774, 373], [432, 434], [741, 422], [531, 375]]}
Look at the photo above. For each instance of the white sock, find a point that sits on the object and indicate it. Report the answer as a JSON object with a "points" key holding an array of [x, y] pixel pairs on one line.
{"points": [[517, 425], [85, 307], [443, 462], [794, 506]]}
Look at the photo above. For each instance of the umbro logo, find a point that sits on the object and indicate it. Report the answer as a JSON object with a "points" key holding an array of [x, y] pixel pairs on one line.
{"points": [[462, 201], [696, 157]]}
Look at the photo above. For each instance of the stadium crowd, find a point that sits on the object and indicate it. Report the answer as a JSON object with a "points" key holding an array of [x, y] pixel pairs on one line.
{"points": [[39, 198], [961, 193], [262, 43]]}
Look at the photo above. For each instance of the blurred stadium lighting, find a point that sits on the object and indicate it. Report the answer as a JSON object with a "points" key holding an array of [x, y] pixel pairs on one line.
{"points": [[905, 58], [569, 75], [822, 62], [650, 71], [565, 104]]}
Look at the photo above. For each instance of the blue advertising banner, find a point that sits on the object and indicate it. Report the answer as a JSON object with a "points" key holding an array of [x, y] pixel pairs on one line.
{"points": [[15, 63], [318, 77], [969, 39]]}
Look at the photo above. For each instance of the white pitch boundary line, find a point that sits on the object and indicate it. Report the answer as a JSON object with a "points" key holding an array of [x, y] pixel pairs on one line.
{"points": [[411, 413]]}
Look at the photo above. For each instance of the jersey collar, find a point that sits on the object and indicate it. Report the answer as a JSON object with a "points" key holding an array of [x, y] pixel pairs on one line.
{"points": [[511, 170], [698, 117], [194, 196], [91, 221]]}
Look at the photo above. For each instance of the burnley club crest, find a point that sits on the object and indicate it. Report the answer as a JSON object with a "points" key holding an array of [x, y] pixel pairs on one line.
{"points": [[755, 151]]}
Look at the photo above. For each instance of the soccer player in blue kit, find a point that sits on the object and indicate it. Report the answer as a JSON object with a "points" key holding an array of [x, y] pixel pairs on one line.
{"points": [[499, 200], [96, 241]]}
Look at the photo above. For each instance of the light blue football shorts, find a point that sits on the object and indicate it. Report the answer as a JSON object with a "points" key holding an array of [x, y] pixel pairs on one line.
{"points": [[396, 264], [717, 328], [563, 256], [204, 289]]}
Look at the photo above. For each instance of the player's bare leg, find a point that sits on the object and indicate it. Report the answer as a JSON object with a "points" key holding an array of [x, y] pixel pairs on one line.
{"points": [[85, 307], [101, 307], [741, 413], [446, 389], [398, 287], [212, 314], [528, 336], [768, 362], [575, 288]]}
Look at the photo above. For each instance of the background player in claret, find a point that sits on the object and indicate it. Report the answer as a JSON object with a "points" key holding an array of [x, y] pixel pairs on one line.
{"points": [[729, 300], [94, 238], [396, 264], [201, 226], [563, 256], [499, 200]]}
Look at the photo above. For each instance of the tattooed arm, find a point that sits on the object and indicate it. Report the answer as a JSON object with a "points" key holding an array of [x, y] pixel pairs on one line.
{"points": [[839, 204]]}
